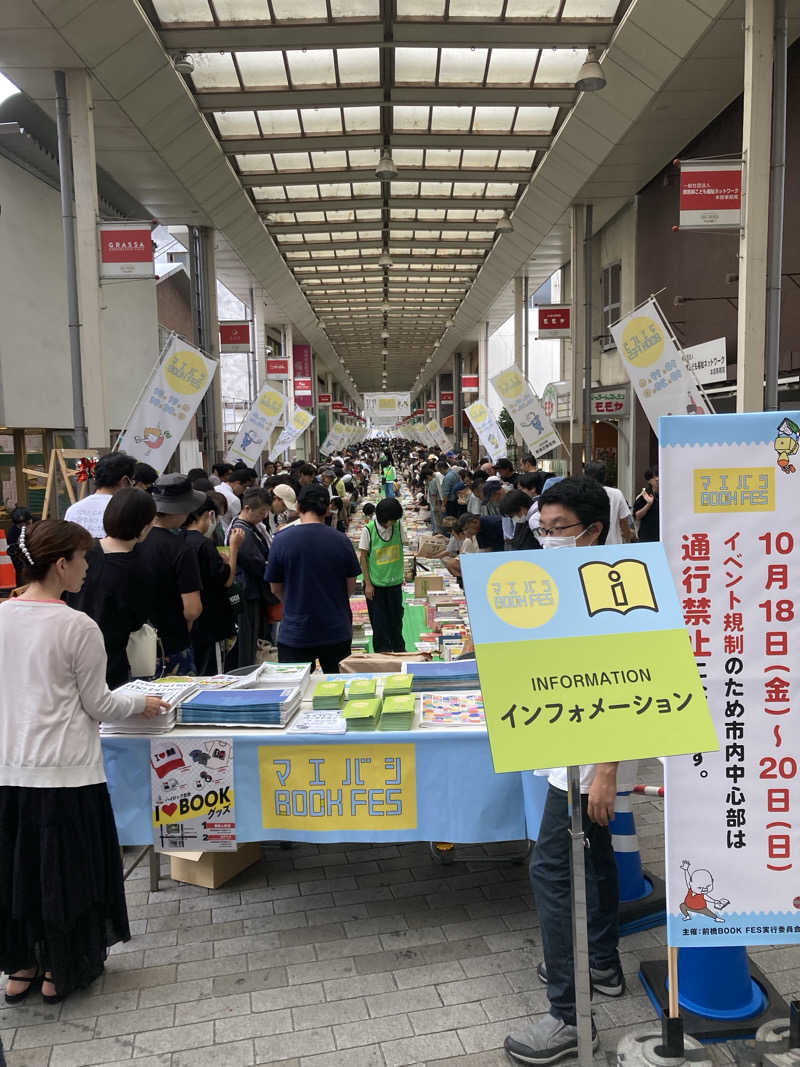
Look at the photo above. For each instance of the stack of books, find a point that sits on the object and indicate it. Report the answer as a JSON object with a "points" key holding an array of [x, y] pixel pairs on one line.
{"points": [[362, 689], [398, 712], [362, 631], [286, 674], [362, 714], [173, 692], [459, 674], [397, 685], [271, 706], [328, 695]]}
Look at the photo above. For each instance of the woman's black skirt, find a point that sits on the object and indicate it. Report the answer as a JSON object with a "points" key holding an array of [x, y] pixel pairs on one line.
{"points": [[62, 898]]}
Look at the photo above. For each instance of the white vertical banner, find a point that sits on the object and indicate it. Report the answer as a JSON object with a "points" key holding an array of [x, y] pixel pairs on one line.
{"points": [[437, 435], [730, 524], [336, 439], [524, 407], [168, 401], [295, 427], [485, 425], [656, 366], [257, 425]]}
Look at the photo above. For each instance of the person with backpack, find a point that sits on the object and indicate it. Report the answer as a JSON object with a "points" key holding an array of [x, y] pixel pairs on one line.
{"points": [[380, 551]]}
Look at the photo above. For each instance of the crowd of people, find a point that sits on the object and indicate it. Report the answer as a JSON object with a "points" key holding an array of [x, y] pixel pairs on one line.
{"points": [[224, 566]]}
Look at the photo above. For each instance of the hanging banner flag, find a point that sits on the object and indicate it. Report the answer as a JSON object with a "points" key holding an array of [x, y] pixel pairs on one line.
{"points": [[485, 424], [709, 361], [385, 408], [303, 376], [169, 400], [254, 433], [525, 408], [234, 336], [711, 194], [553, 321], [299, 423], [126, 250], [336, 440], [656, 366], [437, 435], [730, 513], [278, 369]]}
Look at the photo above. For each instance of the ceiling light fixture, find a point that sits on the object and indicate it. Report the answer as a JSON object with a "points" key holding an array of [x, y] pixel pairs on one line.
{"points": [[504, 224], [183, 63], [386, 169], [384, 259], [448, 323], [385, 335], [590, 76], [386, 306]]}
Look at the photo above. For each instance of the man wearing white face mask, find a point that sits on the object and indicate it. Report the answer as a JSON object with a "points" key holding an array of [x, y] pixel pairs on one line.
{"points": [[574, 513]]}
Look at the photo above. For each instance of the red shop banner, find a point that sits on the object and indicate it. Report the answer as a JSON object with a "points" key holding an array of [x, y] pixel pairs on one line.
{"points": [[553, 321], [711, 194], [126, 250], [278, 369], [303, 380], [234, 336]]}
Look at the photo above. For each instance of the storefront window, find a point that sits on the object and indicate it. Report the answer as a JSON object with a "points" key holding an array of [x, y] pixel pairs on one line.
{"points": [[611, 286]]}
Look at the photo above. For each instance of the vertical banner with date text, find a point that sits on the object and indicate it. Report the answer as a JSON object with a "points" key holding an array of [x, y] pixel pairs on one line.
{"points": [[525, 409], [730, 524], [485, 426]]}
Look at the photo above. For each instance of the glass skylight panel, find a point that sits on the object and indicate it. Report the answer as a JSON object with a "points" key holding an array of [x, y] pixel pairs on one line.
{"points": [[404, 189], [321, 119], [462, 66], [455, 235], [340, 190], [214, 70], [535, 119], [291, 161], [515, 157], [476, 9], [559, 66], [254, 162], [415, 66], [480, 157], [431, 214], [303, 192], [366, 214], [282, 217], [366, 188], [502, 189], [436, 188], [442, 157], [297, 10], [411, 117], [359, 66], [479, 235], [451, 118], [590, 9], [347, 253], [329, 160], [182, 11], [311, 68], [269, 192], [364, 157], [468, 188], [532, 9], [402, 212], [306, 217], [262, 70], [415, 9], [300, 255], [241, 10], [317, 238], [493, 119], [345, 235], [236, 123], [362, 119], [355, 9], [289, 238], [512, 66]]}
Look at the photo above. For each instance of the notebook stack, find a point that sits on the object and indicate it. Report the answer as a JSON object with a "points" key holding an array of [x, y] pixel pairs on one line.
{"points": [[459, 674], [362, 689], [171, 691], [397, 685], [362, 714], [271, 706], [362, 630], [398, 712], [460, 710], [328, 695], [285, 674]]}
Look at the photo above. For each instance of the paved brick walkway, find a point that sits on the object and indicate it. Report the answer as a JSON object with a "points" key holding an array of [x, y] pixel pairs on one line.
{"points": [[333, 955]]}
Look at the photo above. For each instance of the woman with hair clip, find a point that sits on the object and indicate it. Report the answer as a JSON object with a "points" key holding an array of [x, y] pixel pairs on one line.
{"points": [[62, 901]]}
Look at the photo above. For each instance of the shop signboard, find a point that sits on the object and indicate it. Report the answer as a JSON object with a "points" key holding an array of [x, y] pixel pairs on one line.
{"points": [[469, 383], [709, 361], [659, 374], [557, 401], [303, 376], [383, 409], [234, 336], [553, 321], [611, 403], [167, 404], [323, 398], [730, 511], [525, 408], [446, 396], [278, 369], [126, 250], [711, 194]]}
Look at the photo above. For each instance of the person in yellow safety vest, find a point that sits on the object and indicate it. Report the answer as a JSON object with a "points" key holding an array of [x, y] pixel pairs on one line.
{"points": [[380, 551], [389, 476]]}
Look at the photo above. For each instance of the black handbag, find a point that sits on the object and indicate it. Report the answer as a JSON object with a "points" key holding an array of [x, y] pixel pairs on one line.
{"points": [[235, 598]]}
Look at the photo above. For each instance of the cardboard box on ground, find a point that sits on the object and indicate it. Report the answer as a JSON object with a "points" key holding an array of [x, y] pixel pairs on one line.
{"points": [[213, 869]]}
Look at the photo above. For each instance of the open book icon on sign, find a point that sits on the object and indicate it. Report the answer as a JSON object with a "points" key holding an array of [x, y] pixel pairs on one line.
{"points": [[622, 586]]}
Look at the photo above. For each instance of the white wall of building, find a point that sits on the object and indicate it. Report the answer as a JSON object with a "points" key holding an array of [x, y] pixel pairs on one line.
{"points": [[35, 373]]}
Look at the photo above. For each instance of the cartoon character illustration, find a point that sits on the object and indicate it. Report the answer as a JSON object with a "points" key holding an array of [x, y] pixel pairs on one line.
{"points": [[787, 444], [693, 408], [699, 883], [153, 436], [250, 438]]}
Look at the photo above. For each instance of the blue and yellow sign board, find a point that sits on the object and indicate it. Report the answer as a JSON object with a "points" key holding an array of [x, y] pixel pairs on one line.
{"points": [[583, 657]]}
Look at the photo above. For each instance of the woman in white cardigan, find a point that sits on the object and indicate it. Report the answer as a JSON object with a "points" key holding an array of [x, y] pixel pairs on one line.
{"points": [[62, 900]]}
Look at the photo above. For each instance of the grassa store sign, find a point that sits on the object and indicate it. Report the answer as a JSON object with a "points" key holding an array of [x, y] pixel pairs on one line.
{"points": [[126, 250]]}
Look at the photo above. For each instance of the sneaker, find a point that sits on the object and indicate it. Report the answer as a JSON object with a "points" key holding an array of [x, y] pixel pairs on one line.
{"points": [[545, 1040], [610, 982]]}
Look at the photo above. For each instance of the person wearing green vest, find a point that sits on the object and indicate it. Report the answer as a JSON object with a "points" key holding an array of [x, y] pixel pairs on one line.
{"points": [[388, 476], [380, 551]]}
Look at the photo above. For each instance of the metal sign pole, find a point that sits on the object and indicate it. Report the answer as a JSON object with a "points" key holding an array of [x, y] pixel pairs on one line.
{"points": [[580, 934]]}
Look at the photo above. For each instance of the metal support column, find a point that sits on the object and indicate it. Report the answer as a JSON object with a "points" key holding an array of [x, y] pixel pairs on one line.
{"points": [[759, 25], [777, 180], [206, 324], [575, 366], [587, 339]]}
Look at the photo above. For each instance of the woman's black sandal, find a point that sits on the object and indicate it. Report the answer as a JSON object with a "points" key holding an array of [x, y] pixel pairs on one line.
{"points": [[17, 998]]}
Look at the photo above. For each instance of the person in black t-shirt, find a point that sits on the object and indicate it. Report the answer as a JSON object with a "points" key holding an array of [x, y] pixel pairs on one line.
{"points": [[173, 573], [115, 593], [217, 623], [250, 568], [645, 508]]}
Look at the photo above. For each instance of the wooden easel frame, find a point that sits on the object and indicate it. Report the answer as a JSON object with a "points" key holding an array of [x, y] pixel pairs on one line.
{"points": [[58, 458]]}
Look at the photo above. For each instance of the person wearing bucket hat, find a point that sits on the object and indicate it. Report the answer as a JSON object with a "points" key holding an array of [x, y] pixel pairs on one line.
{"points": [[173, 573]]}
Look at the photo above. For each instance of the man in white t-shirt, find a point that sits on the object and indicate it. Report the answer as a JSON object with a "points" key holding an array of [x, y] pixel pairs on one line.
{"points": [[233, 489], [620, 530], [112, 473], [574, 512]]}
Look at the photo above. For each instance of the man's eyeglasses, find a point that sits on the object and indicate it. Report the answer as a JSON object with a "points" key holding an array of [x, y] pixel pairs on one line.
{"points": [[556, 530]]}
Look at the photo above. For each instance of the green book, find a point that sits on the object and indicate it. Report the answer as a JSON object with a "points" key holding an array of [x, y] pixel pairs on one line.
{"points": [[362, 688], [328, 695], [362, 714], [396, 723], [400, 704], [397, 683]]}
